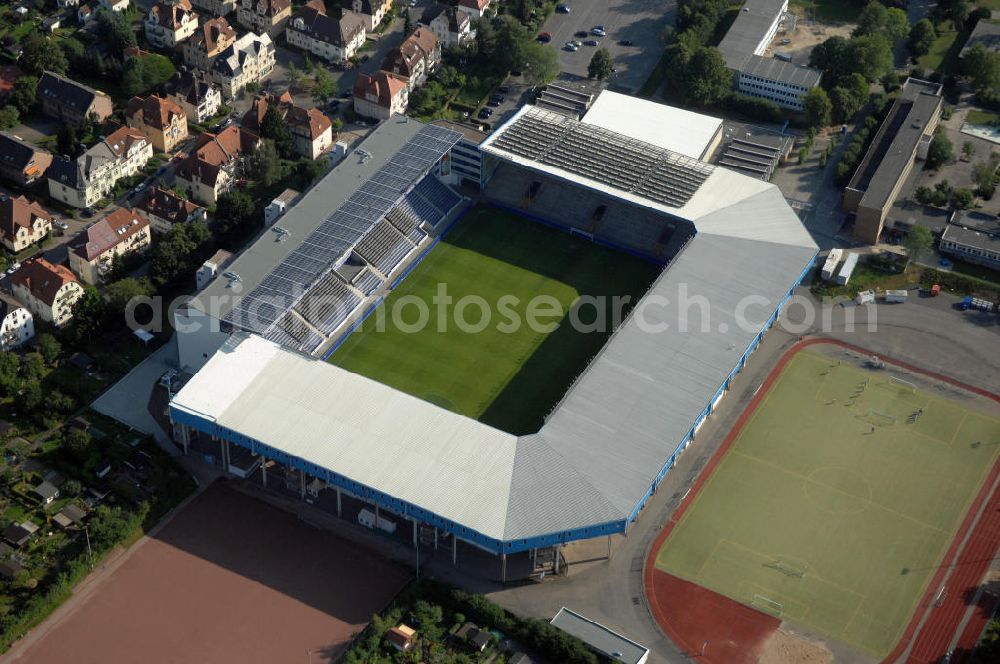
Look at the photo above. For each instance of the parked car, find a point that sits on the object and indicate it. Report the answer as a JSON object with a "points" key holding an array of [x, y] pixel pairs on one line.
{"points": [[563, 8], [493, 103], [570, 46], [499, 98], [62, 225], [581, 33], [14, 268], [625, 42], [591, 42], [544, 37], [503, 89], [598, 30], [346, 94]]}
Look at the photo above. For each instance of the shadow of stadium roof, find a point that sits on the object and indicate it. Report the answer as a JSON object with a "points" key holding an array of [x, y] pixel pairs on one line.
{"points": [[594, 461]]}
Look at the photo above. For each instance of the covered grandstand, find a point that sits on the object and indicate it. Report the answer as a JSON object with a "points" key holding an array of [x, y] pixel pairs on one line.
{"points": [[731, 241]]}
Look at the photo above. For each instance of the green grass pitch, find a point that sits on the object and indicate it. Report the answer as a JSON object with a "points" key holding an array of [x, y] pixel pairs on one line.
{"points": [[812, 516], [508, 379]]}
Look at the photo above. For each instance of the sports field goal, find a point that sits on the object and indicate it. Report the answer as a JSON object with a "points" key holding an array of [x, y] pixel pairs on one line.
{"points": [[879, 418], [767, 605], [903, 385]]}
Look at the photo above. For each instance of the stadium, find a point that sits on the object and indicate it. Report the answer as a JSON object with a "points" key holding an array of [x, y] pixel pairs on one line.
{"points": [[721, 244]]}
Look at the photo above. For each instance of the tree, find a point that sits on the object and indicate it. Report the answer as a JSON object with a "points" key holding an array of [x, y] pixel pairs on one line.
{"points": [[293, 74], [9, 378], [25, 94], [323, 85], [940, 151], [237, 212], [922, 37], [156, 70], [870, 56], [264, 164], [32, 367], [90, 314], [116, 31], [984, 174], [962, 199], [175, 257], [407, 21], [275, 127], [831, 56], [39, 53], [818, 108], [9, 117], [67, 141], [71, 488], [75, 53], [600, 65], [123, 291], [707, 79], [872, 19], [541, 63], [968, 149], [77, 442], [897, 25], [918, 242], [49, 347], [133, 82], [982, 66]]}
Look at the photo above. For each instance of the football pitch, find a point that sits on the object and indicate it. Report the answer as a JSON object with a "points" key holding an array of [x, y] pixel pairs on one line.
{"points": [[506, 375], [837, 500]]}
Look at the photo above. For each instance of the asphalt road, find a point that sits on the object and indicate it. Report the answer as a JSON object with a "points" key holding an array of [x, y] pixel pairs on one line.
{"points": [[639, 21]]}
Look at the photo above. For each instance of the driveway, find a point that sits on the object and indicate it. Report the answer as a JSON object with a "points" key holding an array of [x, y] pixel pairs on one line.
{"points": [[639, 21]]}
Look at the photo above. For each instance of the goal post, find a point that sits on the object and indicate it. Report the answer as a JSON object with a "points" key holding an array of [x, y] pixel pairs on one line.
{"points": [[767, 605], [878, 418], [902, 384]]}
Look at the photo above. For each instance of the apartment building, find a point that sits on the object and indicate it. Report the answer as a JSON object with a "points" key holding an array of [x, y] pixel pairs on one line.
{"points": [[248, 60], [165, 209], [48, 291], [161, 119], [212, 38], [215, 7], [311, 130], [334, 40], [170, 22], [380, 95], [83, 181], [71, 102], [262, 16], [373, 12], [122, 233], [23, 222], [416, 58], [210, 169], [21, 162], [197, 94], [17, 325]]}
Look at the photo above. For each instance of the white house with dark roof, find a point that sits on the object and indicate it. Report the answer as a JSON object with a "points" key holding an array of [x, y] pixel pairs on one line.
{"points": [[197, 94], [334, 40], [248, 60], [17, 325], [83, 181]]}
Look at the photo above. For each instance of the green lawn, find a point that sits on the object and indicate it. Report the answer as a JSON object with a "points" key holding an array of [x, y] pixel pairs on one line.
{"points": [[828, 11], [505, 375], [828, 514], [979, 117], [939, 49]]}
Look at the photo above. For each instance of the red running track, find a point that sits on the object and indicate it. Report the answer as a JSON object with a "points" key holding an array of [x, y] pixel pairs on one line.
{"points": [[970, 562]]}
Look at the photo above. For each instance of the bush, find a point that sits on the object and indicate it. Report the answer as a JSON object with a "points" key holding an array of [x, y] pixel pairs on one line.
{"points": [[762, 110]]}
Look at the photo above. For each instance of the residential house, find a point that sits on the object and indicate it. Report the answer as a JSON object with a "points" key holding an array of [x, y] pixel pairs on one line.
{"points": [[17, 325], [212, 267], [380, 95], [416, 58], [212, 38], [22, 222], [165, 209], [334, 40], [401, 637], [161, 119], [21, 162], [86, 12], [450, 26], [83, 181], [248, 60], [474, 8], [46, 492], [372, 11], [472, 637], [124, 232], [114, 5], [169, 22], [69, 516], [63, 4], [71, 102], [197, 94], [49, 291], [17, 535], [209, 169], [311, 130], [216, 7], [262, 16]]}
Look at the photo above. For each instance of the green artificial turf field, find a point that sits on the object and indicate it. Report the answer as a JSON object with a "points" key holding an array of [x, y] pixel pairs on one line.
{"points": [[508, 379], [812, 516]]}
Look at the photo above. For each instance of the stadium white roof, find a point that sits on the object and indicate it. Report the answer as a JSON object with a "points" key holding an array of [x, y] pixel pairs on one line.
{"points": [[668, 127], [602, 448]]}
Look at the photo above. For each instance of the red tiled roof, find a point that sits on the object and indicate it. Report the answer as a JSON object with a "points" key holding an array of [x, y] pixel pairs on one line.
{"points": [[19, 212], [42, 279], [8, 75], [167, 205], [382, 84], [156, 111], [108, 232], [212, 151], [121, 139]]}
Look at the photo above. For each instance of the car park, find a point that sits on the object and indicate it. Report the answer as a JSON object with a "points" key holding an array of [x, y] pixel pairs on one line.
{"points": [[570, 46], [591, 42], [598, 30], [544, 37], [625, 42], [581, 33], [563, 8]]}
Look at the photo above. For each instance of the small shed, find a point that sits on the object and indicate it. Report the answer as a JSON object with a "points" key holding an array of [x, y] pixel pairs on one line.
{"points": [[17, 535], [9, 569], [70, 516], [102, 469], [475, 638], [400, 637], [46, 492], [519, 658], [81, 361]]}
